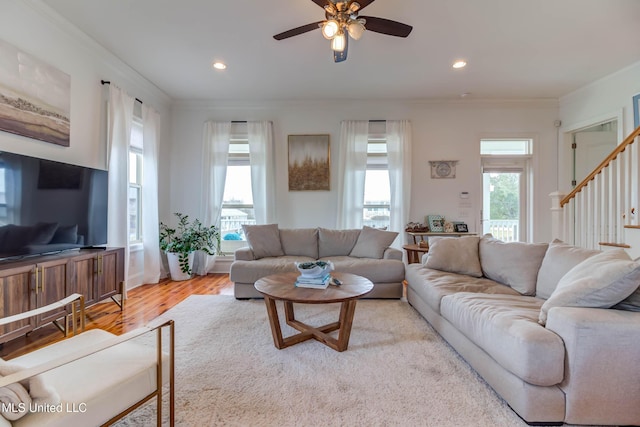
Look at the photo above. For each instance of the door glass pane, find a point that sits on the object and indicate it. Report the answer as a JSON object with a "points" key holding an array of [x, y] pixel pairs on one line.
{"points": [[501, 205]]}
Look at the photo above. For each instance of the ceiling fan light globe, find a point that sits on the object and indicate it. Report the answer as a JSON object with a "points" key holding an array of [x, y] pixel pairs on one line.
{"points": [[330, 8], [338, 43], [355, 29], [354, 7], [330, 29]]}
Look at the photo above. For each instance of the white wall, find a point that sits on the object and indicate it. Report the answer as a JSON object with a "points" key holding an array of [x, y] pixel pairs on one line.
{"points": [[609, 97], [33, 28], [442, 130]]}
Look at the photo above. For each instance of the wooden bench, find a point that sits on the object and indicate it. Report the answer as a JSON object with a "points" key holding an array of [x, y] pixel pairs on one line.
{"points": [[100, 377]]}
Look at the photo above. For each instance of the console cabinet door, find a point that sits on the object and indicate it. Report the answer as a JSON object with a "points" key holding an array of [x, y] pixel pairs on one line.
{"points": [[110, 273], [83, 280], [51, 286], [17, 294]]}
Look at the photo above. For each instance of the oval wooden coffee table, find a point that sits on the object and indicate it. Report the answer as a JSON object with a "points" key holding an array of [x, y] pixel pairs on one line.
{"points": [[281, 287]]}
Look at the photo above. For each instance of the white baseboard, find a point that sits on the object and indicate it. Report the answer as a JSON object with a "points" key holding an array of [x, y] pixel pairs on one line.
{"points": [[222, 264]]}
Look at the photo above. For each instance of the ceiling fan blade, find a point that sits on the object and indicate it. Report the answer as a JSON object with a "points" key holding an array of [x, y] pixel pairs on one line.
{"points": [[299, 30], [320, 3], [363, 3], [387, 26]]}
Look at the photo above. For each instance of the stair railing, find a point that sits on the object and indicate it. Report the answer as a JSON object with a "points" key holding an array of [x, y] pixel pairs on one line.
{"points": [[597, 211]]}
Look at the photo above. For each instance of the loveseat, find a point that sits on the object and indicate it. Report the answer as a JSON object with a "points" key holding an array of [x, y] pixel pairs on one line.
{"points": [[534, 321], [272, 250]]}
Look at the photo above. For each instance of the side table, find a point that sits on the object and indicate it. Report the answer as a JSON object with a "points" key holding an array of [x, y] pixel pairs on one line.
{"points": [[414, 252]]}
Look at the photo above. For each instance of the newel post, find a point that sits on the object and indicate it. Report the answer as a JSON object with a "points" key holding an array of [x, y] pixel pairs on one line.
{"points": [[557, 218]]}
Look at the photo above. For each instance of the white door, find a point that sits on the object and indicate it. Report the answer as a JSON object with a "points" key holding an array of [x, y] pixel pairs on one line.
{"points": [[591, 148], [502, 205]]}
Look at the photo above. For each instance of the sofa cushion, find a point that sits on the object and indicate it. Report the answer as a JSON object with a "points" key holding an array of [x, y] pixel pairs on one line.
{"points": [[559, 259], [514, 264], [264, 240], [376, 270], [455, 255], [372, 242], [105, 383], [433, 285], [250, 271], [506, 328], [300, 241], [600, 281], [336, 242]]}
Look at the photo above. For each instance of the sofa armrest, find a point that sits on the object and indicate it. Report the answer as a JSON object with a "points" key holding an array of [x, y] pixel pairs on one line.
{"points": [[244, 254], [602, 351], [392, 253]]}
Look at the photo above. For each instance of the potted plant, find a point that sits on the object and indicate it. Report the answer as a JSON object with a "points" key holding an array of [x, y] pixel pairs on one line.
{"points": [[180, 244]]}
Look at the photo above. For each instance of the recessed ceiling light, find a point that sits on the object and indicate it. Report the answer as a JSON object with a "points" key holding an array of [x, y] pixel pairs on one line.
{"points": [[459, 64], [219, 65]]}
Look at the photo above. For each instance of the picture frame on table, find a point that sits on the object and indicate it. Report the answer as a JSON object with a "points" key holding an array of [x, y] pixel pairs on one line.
{"points": [[460, 227], [436, 223]]}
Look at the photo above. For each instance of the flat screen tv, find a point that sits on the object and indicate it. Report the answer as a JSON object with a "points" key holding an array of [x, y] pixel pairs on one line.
{"points": [[48, 206]]}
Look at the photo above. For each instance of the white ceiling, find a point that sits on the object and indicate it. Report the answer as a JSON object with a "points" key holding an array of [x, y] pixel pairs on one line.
{"points": [[514, 48]]}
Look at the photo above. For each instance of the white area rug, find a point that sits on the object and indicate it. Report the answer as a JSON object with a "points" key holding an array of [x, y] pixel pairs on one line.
{"points": [[397, 371]]}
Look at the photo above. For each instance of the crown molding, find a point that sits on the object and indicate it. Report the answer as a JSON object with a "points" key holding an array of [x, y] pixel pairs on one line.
{"points": [[115, 69]]}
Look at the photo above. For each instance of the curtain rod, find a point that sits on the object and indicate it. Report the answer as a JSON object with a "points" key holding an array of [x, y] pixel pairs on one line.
{"points": [[107, 82]]}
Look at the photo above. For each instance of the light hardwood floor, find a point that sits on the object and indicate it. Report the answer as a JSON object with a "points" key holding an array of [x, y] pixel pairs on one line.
{"points": [[143, 304]]}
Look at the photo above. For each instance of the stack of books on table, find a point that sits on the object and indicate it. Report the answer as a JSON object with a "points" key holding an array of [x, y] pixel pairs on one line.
{"points": [[320, 282]]}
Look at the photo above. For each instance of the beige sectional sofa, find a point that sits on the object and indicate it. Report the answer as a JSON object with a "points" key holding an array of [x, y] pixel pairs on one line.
{"points": [[363, 252], [534, 321]]}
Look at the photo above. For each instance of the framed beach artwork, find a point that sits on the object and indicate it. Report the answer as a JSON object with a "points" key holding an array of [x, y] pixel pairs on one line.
{"points": [[309, 163], [35, 98]]}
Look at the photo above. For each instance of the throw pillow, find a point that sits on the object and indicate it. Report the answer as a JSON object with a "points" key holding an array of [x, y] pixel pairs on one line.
{"points": [[264, 240], [559, 259], [455, 255], [631, 303], [514, 264], [42, 233], [300, 241], [66, 234], [336, 242], [372, 243], [600, 281]]}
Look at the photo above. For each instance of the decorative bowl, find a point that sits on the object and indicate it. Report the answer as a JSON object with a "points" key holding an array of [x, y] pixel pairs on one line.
{"points": [[314, 268]]}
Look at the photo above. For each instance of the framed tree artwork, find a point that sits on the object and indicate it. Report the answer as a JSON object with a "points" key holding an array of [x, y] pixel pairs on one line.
{"points": [[309, 163]]}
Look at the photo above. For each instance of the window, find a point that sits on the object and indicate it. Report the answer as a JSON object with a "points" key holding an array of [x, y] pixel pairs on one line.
{"points": [[377, 189], [506, 188], [135, 182], [237, 203]]}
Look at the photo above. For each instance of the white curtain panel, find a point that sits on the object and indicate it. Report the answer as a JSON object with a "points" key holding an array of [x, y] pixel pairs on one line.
{"points": [[150, 231], [118, 140], [262, 158], [354, 137], [399, 156], [215, 156]]}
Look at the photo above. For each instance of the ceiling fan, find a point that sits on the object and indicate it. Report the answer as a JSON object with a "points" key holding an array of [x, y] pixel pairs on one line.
{"points": [[343, 21]]}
